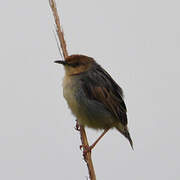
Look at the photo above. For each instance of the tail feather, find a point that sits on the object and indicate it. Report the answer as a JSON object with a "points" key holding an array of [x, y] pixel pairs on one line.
{"points": [[125, 132]]}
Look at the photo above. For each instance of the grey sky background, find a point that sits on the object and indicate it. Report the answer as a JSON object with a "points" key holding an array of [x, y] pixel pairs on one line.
{"points": [[136, 41]]}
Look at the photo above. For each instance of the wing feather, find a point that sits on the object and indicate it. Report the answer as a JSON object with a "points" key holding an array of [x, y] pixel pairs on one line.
{"points": [[98, 85]]}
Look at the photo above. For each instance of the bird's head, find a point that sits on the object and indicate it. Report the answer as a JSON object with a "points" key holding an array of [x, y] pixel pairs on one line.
{"points": [[76, 64]]}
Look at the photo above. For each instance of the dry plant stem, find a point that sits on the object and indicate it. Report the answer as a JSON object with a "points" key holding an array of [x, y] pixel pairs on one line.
{"points": [[58, 27], [87, 156]]}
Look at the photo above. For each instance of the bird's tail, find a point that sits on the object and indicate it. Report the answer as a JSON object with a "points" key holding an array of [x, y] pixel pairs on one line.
{"points": [[125, 132]]}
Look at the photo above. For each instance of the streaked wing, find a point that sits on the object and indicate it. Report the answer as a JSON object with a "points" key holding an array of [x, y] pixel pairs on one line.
{"points": [[98, 85]]}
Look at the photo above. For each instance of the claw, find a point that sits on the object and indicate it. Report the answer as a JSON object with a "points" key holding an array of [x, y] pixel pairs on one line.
{"points": [[86, 149], [77, 127], [80, 147]]}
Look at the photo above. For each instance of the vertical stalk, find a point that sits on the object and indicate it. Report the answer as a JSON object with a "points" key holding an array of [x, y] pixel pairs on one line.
{"points": [[87, 156]]}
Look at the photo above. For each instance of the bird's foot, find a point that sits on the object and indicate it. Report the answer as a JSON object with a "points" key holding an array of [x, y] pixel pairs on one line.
{"points": [[77, 127], [86, 149]]}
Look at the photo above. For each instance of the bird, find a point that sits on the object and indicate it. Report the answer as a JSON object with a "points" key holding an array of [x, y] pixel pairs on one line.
{"points": [[93, 97]]}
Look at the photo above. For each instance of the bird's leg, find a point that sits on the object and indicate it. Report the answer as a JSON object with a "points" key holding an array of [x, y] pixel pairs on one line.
{"points": [[94, 144], [88, 149]]}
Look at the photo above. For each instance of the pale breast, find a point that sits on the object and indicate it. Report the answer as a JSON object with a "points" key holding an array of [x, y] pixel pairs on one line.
{"points": [[69, 89]]}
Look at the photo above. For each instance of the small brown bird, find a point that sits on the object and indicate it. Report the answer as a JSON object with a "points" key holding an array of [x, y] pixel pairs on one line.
{"points": [[93, 96]]}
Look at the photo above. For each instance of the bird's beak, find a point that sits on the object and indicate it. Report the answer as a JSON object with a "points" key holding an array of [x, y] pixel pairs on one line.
{"points": [[61, 62]]}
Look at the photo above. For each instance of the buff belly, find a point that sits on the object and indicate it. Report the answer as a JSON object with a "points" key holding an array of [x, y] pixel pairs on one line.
{"points": [[88, 112]]}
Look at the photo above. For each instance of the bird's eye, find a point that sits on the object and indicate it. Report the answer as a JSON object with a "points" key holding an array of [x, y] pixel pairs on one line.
{"points": [[75, 64]]}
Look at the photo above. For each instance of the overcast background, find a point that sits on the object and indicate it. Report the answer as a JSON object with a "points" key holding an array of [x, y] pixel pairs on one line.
{"points": [[137, 41]]}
